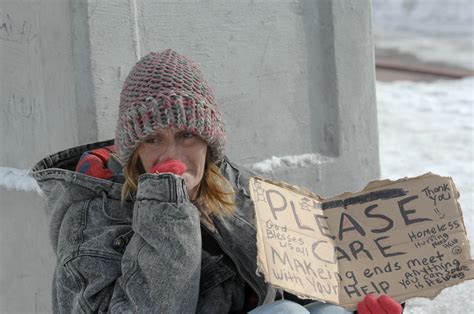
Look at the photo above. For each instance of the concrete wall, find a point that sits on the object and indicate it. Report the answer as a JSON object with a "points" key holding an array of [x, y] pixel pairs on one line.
{"points": [[291, 77], [38, 115], [39, 108], [26, 260]]}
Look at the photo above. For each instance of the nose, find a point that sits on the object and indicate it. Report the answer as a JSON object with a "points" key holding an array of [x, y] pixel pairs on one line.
{"points": [[170, 151]]}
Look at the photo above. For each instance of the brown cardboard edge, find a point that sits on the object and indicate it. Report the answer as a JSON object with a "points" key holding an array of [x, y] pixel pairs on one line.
{"points": [[262, 268], [372, 185], [461, 215], [377, 184]]}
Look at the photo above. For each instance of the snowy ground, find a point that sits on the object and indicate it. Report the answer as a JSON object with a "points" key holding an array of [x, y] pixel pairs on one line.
{"points": [[429, 127]]}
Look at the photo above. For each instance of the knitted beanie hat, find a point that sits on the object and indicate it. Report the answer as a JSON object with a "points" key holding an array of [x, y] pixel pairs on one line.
{"points": [[163, 90]]}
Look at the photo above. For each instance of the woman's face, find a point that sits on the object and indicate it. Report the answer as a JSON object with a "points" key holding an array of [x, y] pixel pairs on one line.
{"points": [[180, 145]]}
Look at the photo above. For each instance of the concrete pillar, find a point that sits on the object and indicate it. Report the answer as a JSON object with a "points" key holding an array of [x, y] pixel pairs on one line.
{"points": [[42, 102], [293, 78], [38, 114]]}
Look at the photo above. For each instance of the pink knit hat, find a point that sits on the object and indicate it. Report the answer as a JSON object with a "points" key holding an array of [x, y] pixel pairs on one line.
{"points": [[163, 90]]}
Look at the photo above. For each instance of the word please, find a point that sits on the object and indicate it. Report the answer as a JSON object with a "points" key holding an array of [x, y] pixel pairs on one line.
{"points": [[279, 205]]}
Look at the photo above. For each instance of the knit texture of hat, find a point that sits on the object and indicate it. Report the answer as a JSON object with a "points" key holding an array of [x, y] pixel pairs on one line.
{"points": [[167, 90]]}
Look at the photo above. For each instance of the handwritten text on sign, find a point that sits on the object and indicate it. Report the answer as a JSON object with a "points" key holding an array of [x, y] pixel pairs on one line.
{"points": [[404, 238]]}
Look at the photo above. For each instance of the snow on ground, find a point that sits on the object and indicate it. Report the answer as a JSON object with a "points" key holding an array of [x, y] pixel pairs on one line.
{"points": [[269, 165], [429, 127], [17, 179]]}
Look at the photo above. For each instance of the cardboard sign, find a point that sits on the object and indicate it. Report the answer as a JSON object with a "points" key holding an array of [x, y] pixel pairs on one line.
{"points": [[402, 238]]}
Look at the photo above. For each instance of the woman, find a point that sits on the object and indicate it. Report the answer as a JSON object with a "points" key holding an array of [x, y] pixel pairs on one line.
{"points": [[158, 220]]}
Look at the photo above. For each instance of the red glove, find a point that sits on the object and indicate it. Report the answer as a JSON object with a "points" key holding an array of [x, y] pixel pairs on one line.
{"points": [[94, 163], [382, 305], [172, 165]]}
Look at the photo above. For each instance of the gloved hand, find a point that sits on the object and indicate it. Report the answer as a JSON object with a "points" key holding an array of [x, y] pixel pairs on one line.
{"points": [[172, 165], [382, 305], [94, 163]]}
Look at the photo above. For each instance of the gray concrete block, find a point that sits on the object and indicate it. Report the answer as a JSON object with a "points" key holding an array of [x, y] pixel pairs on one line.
{"points": [[27, 260]]}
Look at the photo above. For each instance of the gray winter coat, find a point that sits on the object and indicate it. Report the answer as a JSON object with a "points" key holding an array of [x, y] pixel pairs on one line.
{"points": [[144, 256]]}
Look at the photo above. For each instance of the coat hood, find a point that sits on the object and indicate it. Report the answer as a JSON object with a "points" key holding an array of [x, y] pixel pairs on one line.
{"points": [[63, 186], [57, 172]]}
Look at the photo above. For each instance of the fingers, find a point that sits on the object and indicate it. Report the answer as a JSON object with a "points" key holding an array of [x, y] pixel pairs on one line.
{"points": [[382, 305], [362, 308], [390, 305], [373, 305]]}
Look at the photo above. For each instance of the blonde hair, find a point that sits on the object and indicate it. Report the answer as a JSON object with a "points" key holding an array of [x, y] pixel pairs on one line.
{"points": [[216, 194]]}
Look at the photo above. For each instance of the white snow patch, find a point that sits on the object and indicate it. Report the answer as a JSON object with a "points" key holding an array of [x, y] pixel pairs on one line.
{"points": [[299, 161], [18, 179]]}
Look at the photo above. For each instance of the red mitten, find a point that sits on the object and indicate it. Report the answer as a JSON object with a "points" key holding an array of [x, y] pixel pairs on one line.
{"points": [[172, 165], [383, 305], [94, 163]]}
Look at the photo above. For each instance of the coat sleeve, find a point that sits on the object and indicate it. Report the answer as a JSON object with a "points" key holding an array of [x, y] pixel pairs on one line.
{"points": [[159, 271]]}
